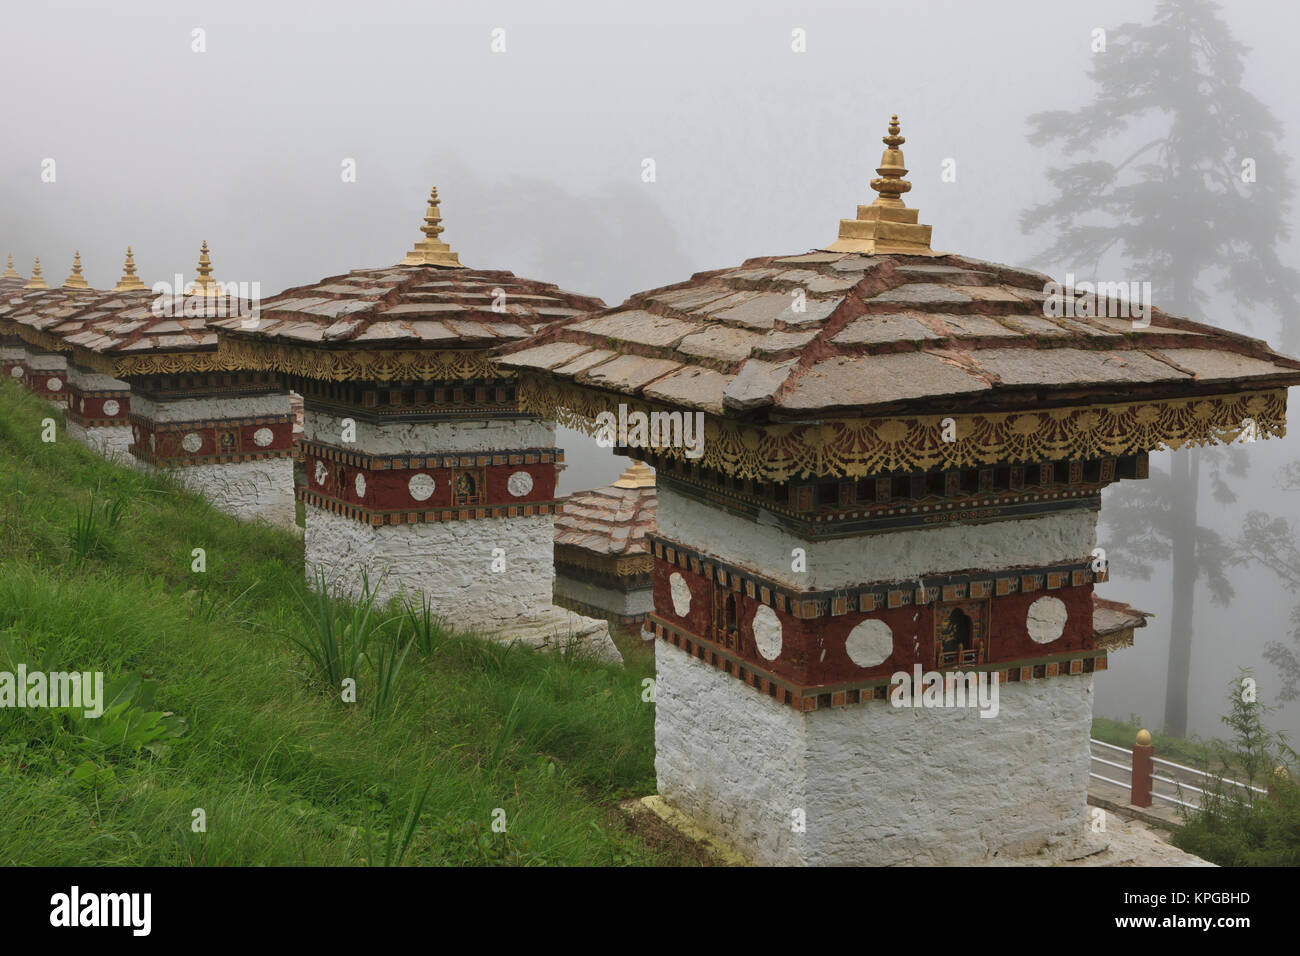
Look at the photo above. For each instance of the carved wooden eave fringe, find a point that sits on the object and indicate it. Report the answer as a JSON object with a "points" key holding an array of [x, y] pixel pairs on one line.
{"points": [[859, 447], [360, 365]]}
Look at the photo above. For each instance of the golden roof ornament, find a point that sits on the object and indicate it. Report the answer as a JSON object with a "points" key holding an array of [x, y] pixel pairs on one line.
{"points": [[37, 281], [887, 225], [430, 251], [205, 285], [10, 272], [76, 281], [639, 475], [130, 282]]}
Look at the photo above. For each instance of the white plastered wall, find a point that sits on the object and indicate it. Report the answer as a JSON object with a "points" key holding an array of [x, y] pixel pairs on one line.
{"points": [[451, 562], [429, 438], [890, 556], [109, 441], [872, 784]]}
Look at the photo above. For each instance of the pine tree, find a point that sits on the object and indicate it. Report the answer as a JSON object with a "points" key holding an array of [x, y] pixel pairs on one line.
{"points": [[1196, 202]]}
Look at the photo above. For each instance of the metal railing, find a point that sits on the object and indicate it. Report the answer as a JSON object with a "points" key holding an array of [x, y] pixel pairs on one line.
{"points": [[1142, 779]]}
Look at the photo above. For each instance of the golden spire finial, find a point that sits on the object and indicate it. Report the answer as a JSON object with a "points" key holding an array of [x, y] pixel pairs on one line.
{"points": [[205, 285], [638, 475], [36, 281], [76, 281], [10, 272], [891, 185], [887, 225], [430, 251], [129, 282]]}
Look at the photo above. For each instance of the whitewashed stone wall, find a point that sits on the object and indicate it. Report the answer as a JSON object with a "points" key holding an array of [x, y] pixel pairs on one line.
{"points": [[13, 353], [210, 409], [46, 361], [405, 438], [892, 556], [110, 441], [451, 562], [92, 381], [251, 490], [877, 785]]}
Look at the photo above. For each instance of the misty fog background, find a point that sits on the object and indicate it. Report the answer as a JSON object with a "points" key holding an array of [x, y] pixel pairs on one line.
{"points": [[537, 153]]}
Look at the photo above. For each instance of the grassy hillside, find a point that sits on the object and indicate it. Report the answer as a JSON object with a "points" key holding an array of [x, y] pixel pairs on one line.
{"points": [[96, 574]]}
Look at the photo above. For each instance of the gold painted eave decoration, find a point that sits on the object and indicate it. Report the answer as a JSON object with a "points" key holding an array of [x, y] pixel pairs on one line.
{"points": [[151, 363], [38, 338], [431, 251], [359, 365], [887, 225], [860, 447]]}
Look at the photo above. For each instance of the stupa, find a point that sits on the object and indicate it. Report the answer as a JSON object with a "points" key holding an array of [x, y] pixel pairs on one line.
{"points": [[603, 566], [903, 458], [423, 475], [99, 406], [43, 365], [12, 350], [223, 431]]}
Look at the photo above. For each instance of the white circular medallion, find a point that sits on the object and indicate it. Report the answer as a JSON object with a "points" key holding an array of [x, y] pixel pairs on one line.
{"points": [[263, 437], [421, 486], [767, 633], [360, 485], [681, 594], [16, 371], [520, 483], [54, 384], [321, 472], [192, 442], [870, 643], [111, 408], [1046, 619]]}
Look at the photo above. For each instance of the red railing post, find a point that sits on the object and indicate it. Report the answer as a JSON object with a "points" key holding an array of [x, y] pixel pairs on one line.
{"points": [[1143, 751]]}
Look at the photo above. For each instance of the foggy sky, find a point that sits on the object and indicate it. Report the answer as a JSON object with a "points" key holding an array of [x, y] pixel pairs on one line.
{"points": [[537, 153]]}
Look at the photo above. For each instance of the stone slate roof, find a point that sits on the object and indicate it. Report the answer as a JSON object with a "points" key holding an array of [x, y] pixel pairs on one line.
{"points": [[412, 306], [610, 521], [60, 312], [113, 323], [1113, 622], [133, 326], [883, 334]]}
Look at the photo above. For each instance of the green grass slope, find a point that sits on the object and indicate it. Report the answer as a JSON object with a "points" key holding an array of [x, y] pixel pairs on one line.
{"points": [[221, 712]]}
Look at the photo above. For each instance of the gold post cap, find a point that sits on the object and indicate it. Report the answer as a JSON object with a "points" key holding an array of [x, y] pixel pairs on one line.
{"points": [[1144, 738], [430, 251], [76, 281], [887, 225], [37, 281], [130, 282]]}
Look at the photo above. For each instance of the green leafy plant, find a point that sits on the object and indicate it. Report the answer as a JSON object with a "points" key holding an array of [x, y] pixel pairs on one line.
{"points": [[128, 723], [86, 536], [336, 631], [398, 842], [428, 629], [388, 661]]}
